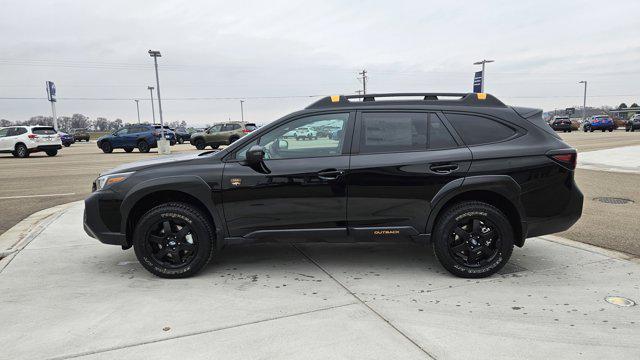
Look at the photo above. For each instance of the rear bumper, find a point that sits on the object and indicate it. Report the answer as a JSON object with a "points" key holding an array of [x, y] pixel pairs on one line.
{"points": [[47, 147], [93, 221], [563, 221]]}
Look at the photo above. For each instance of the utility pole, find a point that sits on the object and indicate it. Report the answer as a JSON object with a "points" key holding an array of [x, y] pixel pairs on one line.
{"points": [[165, 149], [242, 110], [363, 77], [359, 92], [138, 109], [153, 109], [482, 62], [584, 101]]}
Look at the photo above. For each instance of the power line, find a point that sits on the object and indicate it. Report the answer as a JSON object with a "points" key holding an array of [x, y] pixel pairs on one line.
{"points": [[363, 77]]}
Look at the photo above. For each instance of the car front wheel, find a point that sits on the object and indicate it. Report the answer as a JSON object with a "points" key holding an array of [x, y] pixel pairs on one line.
{"points": [[473, 239], [174, 240], [106, 147], [200, 144]]}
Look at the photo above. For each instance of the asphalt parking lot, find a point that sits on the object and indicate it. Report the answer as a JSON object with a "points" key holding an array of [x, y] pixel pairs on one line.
{"points": [[40, 182]]}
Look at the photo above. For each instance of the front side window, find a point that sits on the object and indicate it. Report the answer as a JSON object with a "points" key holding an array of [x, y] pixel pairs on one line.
{"points": [[121, 132], [393, 132], [4, 132], [280, 143], [476, 130], [215, 128]]}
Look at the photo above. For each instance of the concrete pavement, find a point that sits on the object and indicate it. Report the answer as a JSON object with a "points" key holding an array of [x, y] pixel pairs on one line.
{"points": [[65, 295], [620, 159]]}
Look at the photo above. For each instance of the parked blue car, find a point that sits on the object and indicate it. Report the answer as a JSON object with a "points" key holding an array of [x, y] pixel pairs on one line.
{"points": [[599, 122], [142, 137], [67, 139]]}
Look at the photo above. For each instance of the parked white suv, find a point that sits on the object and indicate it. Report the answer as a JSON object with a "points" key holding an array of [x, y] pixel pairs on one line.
{"points": [[21, 141], [305, 133]]}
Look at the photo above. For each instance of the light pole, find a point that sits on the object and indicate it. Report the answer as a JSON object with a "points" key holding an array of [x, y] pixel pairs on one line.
{"points": [[138, 109], [584, 101], [155, 54], [242, 110], [482, 62], [153, 109]]}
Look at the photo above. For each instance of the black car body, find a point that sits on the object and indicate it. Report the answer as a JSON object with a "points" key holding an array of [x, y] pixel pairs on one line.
{"points": [[633, 124], [464, 172], [561, 124]]}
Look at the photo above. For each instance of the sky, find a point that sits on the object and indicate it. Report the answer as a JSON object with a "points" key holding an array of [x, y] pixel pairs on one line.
{"points": [[279, 56]]}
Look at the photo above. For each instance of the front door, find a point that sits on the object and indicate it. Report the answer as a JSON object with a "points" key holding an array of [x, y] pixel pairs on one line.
{"points": [[400, 161], [304, 188]]}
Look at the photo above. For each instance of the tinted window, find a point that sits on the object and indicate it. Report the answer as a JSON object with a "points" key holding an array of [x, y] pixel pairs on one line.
{"points": [[250, 127], [278, 144], [229, 127], [20, 131], [476, 130], [439, 136], [392, 132], [215, 128], [121, 132], [44, 131]]}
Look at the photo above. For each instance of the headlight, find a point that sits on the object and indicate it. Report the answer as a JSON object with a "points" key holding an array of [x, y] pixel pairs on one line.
{"points": [[108, 180]]}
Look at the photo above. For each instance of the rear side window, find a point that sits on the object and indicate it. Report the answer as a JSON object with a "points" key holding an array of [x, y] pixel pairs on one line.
{"points": [[439, 136], [393, 132], [20, 131], [476, 130], [44, 131]]}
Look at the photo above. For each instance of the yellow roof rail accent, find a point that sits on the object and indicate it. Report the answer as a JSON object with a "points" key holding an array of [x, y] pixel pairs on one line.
{"points": [[335, 98], [482, 96]]}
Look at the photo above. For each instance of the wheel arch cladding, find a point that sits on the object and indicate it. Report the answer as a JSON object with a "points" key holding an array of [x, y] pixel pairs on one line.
{"points": [[144, 196], [500, 191]]}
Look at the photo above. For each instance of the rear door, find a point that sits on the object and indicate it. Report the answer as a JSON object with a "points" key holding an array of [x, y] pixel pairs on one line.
{"points": [[6, 142], [400, 160]]}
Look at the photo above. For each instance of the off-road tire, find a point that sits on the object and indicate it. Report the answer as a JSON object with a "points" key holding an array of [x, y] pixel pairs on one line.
{"points": [[202, 228], [470, 210]]}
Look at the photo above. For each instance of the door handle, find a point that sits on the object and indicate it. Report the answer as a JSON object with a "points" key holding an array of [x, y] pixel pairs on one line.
{"points": [[330, 174], [443, 168]]}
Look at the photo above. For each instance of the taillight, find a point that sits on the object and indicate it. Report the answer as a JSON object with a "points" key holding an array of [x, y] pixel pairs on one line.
{"points": [[569, 160], [246, 131], [32, 136]]}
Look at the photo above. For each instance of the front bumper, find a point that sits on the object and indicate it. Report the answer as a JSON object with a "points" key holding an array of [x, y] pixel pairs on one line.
{"points": [[98, 208]]}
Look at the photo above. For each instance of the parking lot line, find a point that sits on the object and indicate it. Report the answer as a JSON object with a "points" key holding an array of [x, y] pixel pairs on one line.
{"points": [[34, 196]]}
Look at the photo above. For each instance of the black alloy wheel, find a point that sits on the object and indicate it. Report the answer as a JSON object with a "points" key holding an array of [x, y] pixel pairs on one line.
{"points": [[174, 240], [473, 239], [143, 146], [106, 147], [200, 144], [52, 152]]}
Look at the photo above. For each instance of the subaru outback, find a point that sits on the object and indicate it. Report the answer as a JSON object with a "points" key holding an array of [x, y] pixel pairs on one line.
{"points": [[463, 173]]}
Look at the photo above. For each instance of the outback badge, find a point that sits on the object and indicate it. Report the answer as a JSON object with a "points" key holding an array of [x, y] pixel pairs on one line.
{"points": [[236, 181]]}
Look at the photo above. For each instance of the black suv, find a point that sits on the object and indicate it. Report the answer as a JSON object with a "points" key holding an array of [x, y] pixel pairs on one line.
{"points": [[463, 172]]}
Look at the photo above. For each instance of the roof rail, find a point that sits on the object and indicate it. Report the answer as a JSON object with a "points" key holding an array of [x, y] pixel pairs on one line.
{"points": [[466, 99]]}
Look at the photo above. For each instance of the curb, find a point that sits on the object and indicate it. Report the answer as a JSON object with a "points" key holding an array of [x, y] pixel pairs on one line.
{"points": [[21, 234], [591, 248]]}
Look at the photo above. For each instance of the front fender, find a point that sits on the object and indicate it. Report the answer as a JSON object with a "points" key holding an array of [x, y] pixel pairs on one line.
{"points": [[189, 184]]}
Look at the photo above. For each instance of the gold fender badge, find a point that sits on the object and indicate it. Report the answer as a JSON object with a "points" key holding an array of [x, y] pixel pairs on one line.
{"points": [[236, 181]]}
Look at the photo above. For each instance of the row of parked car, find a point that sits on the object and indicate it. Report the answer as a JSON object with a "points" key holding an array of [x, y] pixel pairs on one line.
{"points": [[596, 122]]}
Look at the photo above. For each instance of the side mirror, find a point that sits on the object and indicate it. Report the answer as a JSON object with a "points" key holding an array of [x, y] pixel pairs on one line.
{"points": [[255, 159], [283, 144]]}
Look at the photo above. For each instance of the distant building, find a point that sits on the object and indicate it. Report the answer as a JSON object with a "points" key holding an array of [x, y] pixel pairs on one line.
{"points": [[625, 113]]}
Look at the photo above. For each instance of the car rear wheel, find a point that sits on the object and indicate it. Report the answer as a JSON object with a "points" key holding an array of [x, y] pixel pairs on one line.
{"points": [[143, 146], [174, 240], [128, 149], [200, 144], [106, 147], [53, 152], [21, 151], [473, 239]]}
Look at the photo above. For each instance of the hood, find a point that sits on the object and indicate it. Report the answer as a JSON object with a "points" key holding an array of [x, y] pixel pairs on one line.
{"points": [[156, 162]]}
